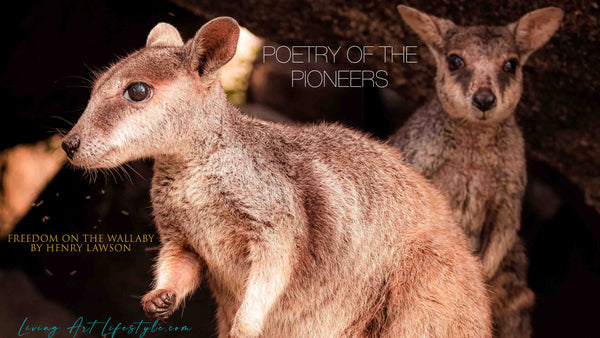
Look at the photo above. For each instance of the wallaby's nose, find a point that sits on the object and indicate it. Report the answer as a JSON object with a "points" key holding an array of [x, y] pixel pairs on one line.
{"points": [[484, 99], [70, 144]]}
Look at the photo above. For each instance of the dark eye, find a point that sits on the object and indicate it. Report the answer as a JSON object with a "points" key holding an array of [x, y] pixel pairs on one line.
{"points": [[455, 62], [510, 66], [138, 92]]}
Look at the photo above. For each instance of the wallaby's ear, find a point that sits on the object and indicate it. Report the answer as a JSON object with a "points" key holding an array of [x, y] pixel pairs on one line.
{"points": [[430, 29], [534, 29], [164, 35], [215, 43]]}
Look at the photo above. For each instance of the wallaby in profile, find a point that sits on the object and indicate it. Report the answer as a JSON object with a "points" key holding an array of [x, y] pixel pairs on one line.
{"points": [[314, 231], [467, 142]]}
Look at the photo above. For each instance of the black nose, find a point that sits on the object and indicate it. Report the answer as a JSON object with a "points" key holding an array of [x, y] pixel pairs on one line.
{"points": [[70, 144], [484, 99]]}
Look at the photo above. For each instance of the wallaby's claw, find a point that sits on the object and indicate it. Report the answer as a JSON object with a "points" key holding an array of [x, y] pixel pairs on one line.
{"points": [[159, 304]]}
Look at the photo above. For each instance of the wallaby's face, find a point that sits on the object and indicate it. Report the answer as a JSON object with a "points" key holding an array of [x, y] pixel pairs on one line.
{"points": [[480, 76], [140, 106], [479, 69]]}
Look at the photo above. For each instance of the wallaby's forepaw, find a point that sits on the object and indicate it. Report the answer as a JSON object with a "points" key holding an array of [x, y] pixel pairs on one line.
{"points": [[159, 304]]}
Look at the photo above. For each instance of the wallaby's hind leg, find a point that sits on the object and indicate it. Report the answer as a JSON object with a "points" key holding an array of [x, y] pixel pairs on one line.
{"points": [[512, 300], [433, 294]]}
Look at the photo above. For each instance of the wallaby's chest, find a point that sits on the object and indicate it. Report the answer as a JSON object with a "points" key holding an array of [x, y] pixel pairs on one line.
{"points": [[191, 206], [470, 189], [475, 180]]}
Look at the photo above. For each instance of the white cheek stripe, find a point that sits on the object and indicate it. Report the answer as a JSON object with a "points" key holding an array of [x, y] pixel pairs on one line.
{"points": [[135, 126]]}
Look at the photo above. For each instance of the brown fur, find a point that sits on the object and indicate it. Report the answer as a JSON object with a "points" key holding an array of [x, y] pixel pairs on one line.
{"points": [[477, 158], [301, 231]]}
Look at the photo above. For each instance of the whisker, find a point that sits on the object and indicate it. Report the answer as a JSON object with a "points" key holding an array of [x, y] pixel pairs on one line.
{"points": [[88, 82], [104, 173], [116, 171], [54, 129], [74, 86], [122, 168], [113, 175], [95, 74], [135, 171]]}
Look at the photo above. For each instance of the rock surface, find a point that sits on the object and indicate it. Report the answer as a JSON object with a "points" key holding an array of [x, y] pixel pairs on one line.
{"points": [[559, 112]]}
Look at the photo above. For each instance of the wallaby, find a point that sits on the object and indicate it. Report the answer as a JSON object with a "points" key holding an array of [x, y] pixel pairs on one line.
{"points": [[300, 231], [467, 142]]}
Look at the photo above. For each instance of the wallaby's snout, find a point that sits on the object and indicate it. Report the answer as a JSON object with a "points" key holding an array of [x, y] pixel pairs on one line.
{"points": [[70, 144], [484, 99]]}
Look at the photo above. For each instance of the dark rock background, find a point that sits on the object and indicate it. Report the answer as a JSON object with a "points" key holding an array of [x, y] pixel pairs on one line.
{"points": [[52, 44]]}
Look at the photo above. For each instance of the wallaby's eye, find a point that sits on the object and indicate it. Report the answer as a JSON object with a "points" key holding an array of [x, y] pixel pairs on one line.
{"points": [[455, 62], [138, 92], [510, 66]]}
